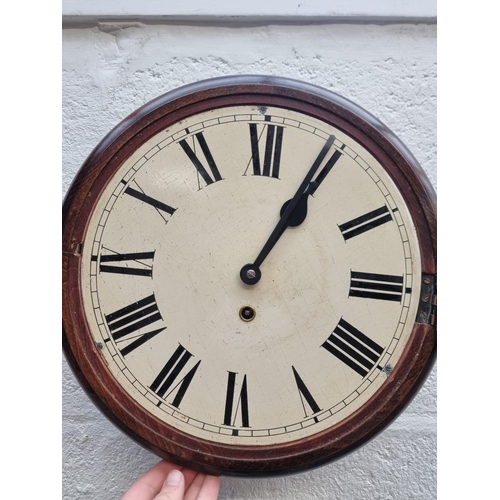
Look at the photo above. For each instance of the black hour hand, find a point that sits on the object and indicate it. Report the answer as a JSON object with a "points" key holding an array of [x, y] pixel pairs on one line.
{"points": [[299, 213]]}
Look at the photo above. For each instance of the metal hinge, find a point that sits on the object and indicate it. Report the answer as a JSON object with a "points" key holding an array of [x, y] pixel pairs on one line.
{"points": [[427, 308]]}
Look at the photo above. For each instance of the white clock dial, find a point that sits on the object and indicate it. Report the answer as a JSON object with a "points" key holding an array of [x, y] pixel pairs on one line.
{"points": [[250, 364]]}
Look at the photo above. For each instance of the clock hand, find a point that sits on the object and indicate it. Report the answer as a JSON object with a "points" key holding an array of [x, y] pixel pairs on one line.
{"points": [[293, 212], [298, 215]]}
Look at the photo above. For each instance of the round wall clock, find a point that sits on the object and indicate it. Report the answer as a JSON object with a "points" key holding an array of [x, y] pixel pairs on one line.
{"points": [[249, 276]]}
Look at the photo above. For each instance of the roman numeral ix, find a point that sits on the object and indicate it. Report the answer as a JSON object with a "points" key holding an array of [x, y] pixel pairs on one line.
{"points": [[353, 348], [125, 323], [163, 384], [272, 149], [135, 263]]}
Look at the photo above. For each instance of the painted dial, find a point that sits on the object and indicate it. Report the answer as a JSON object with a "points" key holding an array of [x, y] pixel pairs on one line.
{"points": [[250, 364]]}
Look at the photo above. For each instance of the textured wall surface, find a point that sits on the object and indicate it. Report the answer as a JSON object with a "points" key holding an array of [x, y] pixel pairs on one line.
{"points": [[389, 70]]}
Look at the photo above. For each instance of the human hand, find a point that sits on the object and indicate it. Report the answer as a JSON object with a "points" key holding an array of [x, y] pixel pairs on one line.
{"points": [[166, 482]]}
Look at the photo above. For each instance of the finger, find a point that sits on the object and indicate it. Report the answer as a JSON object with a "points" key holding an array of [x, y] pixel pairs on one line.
{"points": [[209, 489], [203, 488], [149, 485], [189, 477], [173, 487], [195, 487]]}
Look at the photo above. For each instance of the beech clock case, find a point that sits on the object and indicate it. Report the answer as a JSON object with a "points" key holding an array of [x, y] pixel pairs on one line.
{"points": [[249, 276]]}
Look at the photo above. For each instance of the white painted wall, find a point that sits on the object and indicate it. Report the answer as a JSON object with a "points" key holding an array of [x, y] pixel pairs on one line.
{"points": [[258, 9], [388, 69]]}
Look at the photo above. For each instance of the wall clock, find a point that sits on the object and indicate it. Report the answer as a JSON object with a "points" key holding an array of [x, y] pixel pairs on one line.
{"points": [[249, 276]]}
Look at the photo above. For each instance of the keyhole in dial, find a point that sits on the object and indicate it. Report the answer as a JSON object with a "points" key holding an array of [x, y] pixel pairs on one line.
{"points": [[247, 313]]}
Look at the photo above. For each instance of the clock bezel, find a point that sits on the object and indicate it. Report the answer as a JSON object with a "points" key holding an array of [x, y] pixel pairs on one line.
{"points": [[83, 354]]}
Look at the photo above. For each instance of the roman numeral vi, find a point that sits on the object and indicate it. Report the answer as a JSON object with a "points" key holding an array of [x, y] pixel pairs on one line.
{"points": [[231, 409]]}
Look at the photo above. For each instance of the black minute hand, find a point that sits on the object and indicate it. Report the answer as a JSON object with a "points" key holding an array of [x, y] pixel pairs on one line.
{"points": [[293, 212]]}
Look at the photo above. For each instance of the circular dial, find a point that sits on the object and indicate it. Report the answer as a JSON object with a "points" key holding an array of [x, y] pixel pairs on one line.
{"points": [[249, 270], [250, 275]]}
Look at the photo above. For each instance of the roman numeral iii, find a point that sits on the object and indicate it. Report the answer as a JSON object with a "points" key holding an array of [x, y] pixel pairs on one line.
{"points": [[377, 286], [195, 159], [272, 150], [353, 348], [240, 406], [163, 384], [365, 222], [125, 323]]}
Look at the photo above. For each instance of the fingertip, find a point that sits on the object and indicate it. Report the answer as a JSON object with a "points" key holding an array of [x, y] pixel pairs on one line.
{"points": [[173, 486], [213, 479], [174, 478]]}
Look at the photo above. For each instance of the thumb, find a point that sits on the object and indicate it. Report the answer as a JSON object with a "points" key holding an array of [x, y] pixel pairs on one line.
{"points": [[173, 487]]}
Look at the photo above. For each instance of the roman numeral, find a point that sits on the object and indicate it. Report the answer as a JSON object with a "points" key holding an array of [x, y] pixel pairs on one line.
{"points": [[272, 150], [125, 323], [305, 394], [377, 286], [365, 222], [241, 404], [196, 161], [134, 263], [353, 348], [163, 384], [313, 185], [159, 206]]}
